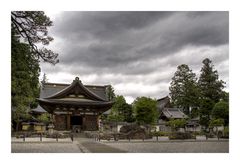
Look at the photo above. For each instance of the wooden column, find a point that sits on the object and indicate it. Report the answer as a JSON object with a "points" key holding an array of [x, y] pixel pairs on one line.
{"points": [[84, 122], [98, 121], [68, 122]]}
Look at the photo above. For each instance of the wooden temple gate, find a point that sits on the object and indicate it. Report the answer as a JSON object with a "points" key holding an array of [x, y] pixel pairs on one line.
{"points": [[75, 107]]}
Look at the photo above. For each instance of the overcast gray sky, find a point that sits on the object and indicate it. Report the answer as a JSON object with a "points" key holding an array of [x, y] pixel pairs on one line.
{"points": [[136, 52]]}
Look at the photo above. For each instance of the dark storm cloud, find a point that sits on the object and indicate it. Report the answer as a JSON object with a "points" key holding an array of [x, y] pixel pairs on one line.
{"points": [[104, 24], [107, 39], [140, 47]]}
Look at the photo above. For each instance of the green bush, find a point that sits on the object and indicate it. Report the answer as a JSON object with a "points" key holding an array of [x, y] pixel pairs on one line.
{"points": [[177, 123], [216, 122], [159, 133], [181, 135], [163, 133], [199, 133]]}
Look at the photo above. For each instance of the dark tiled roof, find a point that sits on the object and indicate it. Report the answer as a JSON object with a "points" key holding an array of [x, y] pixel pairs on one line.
{"points": [[173, 113], [49, 89], [162, 103]]}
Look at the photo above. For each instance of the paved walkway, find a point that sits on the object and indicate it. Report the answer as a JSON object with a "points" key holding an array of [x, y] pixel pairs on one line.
{"points": [[89, 145]]}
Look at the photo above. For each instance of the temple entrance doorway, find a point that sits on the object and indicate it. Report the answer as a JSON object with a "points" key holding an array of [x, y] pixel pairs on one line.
{"points": [[76, 123]]}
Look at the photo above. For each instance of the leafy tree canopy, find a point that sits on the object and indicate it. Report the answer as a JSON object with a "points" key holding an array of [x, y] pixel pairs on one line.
{"points": [[216, 122], [184, 90], [205, 111], [145, 110], [45, 118], [121, 111], [177, 123], [221, 111]]}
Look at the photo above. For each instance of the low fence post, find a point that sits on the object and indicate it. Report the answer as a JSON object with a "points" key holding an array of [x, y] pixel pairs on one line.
{"points": [[24, 137], [57, 137], [71, 135], [41, 137]]}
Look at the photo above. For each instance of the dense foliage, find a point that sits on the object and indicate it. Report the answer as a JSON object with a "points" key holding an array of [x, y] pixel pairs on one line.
{"points": [[183, 89], [211, 90], [216, 122], [203, 97], [221, 111], [175, 124], [206, 107], [24, 82], [121, 110], [45, 118], [29, 28], [210, 86], [145, 110]]}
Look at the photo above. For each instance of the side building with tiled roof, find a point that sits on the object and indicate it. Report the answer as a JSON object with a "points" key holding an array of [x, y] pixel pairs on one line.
{"points": [[166, 113]]}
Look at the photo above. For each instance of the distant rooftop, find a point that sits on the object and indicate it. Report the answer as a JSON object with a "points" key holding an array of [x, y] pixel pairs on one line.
{"points": [[173, 113]]}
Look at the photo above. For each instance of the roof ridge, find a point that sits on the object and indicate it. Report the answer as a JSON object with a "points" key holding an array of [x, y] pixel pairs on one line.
{"points": [[76, 83], [88, 85]]}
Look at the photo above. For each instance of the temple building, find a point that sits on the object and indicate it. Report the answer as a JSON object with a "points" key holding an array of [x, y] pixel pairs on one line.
{"points": [[74, 106]]}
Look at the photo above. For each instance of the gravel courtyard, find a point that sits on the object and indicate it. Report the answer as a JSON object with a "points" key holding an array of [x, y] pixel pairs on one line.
{"points": [[172, 147], [85, 145], [45, 148]]}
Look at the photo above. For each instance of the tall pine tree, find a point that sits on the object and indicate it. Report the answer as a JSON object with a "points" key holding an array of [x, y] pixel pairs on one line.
{"points": [[211, 90], [183, 89], [210, 85]]}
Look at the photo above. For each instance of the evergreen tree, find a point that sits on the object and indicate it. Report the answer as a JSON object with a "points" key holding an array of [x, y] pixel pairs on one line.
{"points": [[210, 86], [210, 90], [184, 89], [110, 93], [44, 79], [24, 81], [30, 27]]}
